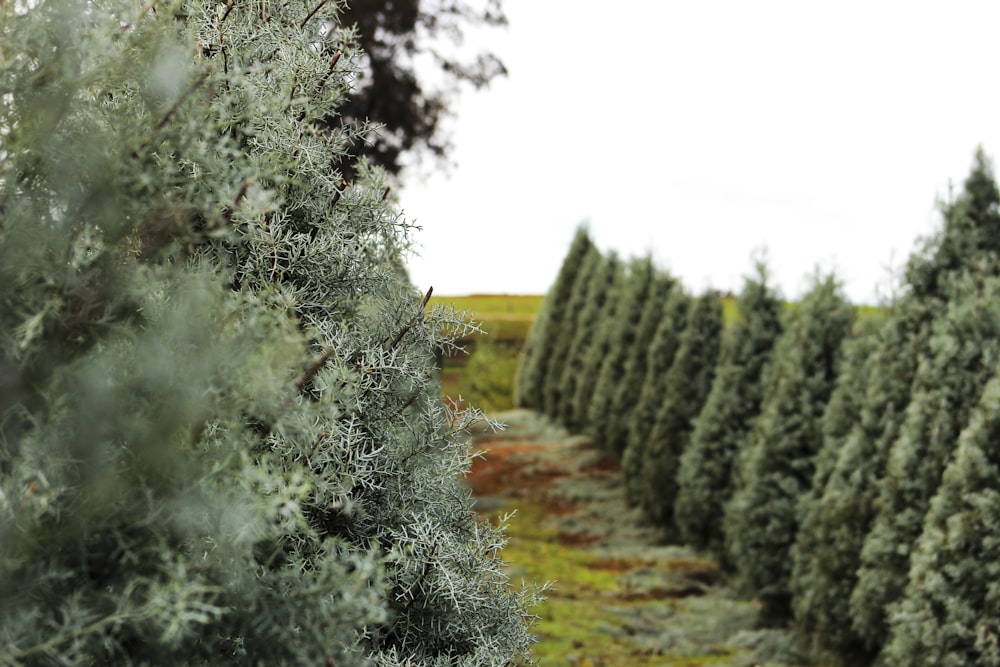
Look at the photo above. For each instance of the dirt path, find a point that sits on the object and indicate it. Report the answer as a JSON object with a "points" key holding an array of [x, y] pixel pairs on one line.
{"points": [[621, 596]]}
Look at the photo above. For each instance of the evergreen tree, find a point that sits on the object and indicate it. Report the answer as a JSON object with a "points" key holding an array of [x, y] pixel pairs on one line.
{"points": [[621, 413], [723, 425], [659, 359], [686, 388], [585, 338], [222, 441], [948, 614], [760, 521], [621, 336], [597, 350], [963, 353], [556, 364], [822, 622], [530, 384]]}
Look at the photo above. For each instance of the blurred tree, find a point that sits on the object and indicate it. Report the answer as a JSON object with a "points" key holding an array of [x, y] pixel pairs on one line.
{"points": [[685, 389], [761, 518], [621, 412], [723, 425], [621, 338], [820, 551], [659, 358], [962, 355], [529, 386], [551, 399], [405, 50], [584, 356], [948, 614]]}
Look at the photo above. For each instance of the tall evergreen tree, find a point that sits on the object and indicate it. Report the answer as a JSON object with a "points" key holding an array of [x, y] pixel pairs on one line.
{"points": [[222, 441], [686, 388], [963, 352], [599, 292], [723, 425], [948, 614], [622, 411], [551, 393], [761, 518], [621, 337], [538, 348], [597, 350], [822, 622], [965, 250], [659, 359]]}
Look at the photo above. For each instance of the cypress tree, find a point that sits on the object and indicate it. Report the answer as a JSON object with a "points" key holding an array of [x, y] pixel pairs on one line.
{"points": [[723, 425], [621, 340], [760, 522], [659, 359], [963, 352], [948, 614], [222, 440], [819, 603], [529, 386], [621, 413], [686, 388], [600, 288], [552, 397]]}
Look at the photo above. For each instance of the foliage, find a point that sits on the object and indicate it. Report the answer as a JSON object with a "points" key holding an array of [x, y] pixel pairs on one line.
{"points": [[947, 615], [621, 339], [531, 379], [964, 348], [581, 358], [723, 425], [760, 521], [595, 350], [686, 388], [659, 359], [552, 392], [401, 44], [823, 545], [221, 437], [621, 413]]}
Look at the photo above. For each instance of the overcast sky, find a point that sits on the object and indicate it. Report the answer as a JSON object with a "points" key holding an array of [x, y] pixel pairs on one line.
{"points": [[699, 131]]}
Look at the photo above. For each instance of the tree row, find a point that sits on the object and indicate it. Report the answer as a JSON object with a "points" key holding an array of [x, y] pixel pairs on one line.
{"points": [[841, 468]]}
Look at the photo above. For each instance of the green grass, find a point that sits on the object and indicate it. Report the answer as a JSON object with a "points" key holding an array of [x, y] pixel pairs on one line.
{"points": [[507, 319]]}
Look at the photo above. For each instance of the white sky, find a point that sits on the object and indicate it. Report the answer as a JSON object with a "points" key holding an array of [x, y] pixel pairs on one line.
{"points": [[700, 131]]}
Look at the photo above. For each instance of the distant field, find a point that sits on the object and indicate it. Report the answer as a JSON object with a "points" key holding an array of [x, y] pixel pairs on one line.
{"points": [[507, 320], [504, 317]]}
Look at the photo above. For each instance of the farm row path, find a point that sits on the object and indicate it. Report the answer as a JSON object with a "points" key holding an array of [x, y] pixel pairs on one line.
{"points": [[620, 595]]}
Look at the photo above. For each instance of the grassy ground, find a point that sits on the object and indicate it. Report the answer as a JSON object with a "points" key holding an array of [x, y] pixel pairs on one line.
{"points": [[621, 596]]}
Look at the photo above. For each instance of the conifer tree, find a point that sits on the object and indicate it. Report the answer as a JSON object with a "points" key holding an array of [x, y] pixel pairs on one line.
{"points": [[621, 339], [963, 353], [760, 522], [819, 605], [966, 243], [948, 615], [530, 383], [597, 350], [621, 413], [222, 441], [659, 359], [598, 299], [556, 364], [686, 388], [723, 425]]}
